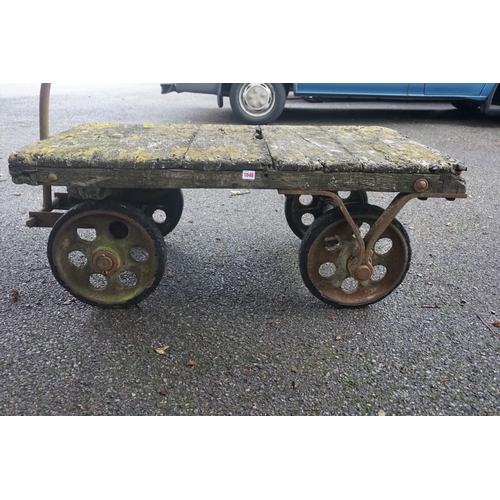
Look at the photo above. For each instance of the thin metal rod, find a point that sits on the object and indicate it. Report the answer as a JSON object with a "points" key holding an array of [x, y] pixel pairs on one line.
{"points": [[44, 133]]}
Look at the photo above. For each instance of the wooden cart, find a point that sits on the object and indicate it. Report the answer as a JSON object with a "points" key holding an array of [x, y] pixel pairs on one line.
{"points": [[107, 244]]}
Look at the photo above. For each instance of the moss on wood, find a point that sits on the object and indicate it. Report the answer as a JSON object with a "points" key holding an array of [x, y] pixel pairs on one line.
{"points": [[104, 152]]}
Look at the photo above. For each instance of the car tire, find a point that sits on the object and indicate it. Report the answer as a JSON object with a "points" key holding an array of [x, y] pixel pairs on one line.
{"points": [[257, 103]]}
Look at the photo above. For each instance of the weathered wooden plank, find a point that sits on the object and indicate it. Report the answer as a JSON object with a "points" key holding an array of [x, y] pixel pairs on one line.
{"points": [[306, 148], [106, 145], [350, 148], [379, 149], [271, 179], [228, 147]]}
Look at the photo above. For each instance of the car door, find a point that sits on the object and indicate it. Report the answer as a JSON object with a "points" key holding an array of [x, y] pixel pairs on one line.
{"points": [[453, 89], [351, 89]]}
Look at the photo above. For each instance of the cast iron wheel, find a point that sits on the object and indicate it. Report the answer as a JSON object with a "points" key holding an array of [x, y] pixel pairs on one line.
{"points": [[107, 253], [301, 211], [166, 211], [257, 103], [328, 247]]}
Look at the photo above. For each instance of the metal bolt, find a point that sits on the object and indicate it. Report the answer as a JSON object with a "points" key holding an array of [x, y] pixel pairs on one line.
{"points": [[420, 185], [363, 272], [105, 261]]}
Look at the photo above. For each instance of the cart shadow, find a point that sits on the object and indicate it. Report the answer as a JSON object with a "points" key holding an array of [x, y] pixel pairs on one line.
{"points": [[256, 276]]}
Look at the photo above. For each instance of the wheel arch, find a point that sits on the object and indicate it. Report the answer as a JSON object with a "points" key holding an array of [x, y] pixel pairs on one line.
{"points": [[493, 98], [495, 94]]}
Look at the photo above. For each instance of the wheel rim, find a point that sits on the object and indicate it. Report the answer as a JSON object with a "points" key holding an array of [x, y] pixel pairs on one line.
{"points": [[329, 255], [257, 99], [302, 211], [106, 258]]}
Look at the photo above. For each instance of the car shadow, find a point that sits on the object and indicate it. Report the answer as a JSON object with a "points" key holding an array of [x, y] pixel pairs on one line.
{"points": [[302, 113]]}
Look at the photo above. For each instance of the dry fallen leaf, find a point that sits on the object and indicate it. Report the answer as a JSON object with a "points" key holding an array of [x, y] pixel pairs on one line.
{"points": [[381, 413], [16, 194], [448, 224], [295, 384], [496, 323], [14, 294], [163, 392], [338, 337], [295, 369], [191, 363], [170, 274], [162, 350], [238, 193]]}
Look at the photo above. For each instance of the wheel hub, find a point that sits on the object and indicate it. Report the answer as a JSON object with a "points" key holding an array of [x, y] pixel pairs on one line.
{"points": [[257, 97], [105, 261], [363, 272]]}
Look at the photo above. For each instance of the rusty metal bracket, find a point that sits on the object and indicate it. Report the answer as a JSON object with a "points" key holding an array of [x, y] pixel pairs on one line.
{"points": [[340, 203], [47, 218], [43, 219], [362, 266], [385, 219]]}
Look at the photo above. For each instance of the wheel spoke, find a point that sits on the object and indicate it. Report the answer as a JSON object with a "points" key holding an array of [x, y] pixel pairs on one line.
{"points": [[384, 259], [307, 209], [340, 275]]}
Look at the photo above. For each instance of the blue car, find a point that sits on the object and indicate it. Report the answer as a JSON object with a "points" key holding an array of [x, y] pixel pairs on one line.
{"points": [[261, 103]]}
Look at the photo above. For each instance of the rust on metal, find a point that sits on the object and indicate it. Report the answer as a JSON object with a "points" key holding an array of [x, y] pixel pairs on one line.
{"points": [[337, 275], [420, 185], [361, 264], [105, 261], [43, 112], [362, 272], [340, 203], [43, 219]]}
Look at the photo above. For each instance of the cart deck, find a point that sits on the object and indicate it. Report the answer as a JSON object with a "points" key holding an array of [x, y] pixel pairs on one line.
{"points": [[119, 176], [214, 156]]}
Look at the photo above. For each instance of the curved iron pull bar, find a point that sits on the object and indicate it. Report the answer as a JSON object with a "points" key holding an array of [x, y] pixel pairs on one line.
{"points": [[43, 112]]}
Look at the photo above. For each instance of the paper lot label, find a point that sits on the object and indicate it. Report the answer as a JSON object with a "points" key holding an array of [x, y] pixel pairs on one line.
{"points": [[248, 175]]}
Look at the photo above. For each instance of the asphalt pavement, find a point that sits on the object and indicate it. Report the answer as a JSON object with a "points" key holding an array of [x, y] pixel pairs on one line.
{"points": [[241, 333]]}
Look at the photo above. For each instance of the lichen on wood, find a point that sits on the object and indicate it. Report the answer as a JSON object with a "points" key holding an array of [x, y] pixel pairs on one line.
{"points": [[126, 155]]}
